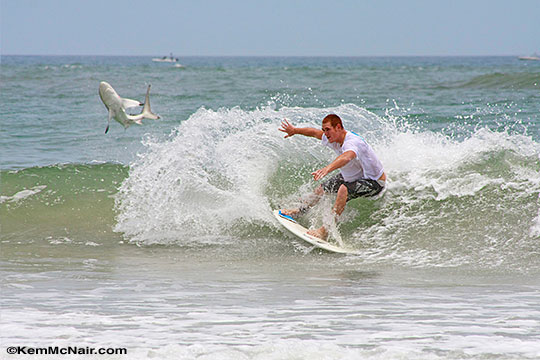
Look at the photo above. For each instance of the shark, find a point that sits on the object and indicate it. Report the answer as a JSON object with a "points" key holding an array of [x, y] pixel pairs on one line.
{"points": [[117, 107]]}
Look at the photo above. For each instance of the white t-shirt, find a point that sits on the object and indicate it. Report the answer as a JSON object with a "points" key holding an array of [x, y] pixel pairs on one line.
{"points": [[366, 165]]}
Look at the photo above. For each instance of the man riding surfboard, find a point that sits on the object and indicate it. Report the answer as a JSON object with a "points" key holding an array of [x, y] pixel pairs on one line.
{"points": [[361, 173]]}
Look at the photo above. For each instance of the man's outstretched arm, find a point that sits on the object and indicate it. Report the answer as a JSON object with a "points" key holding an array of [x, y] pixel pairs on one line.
{"points": [[291, 130]]}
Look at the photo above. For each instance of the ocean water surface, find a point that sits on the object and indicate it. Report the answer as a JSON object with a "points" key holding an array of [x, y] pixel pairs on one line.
{"points": [[160, 238]]}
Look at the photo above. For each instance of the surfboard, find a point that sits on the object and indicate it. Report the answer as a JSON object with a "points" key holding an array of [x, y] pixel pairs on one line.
{"points": [[298, 230]]}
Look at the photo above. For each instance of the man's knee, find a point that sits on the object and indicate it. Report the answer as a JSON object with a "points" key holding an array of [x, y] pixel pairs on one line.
{"points": [[319, 190], [342, 191]]}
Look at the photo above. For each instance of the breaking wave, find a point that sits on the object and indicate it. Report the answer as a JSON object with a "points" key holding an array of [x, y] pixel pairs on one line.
{"points": [[449, 202]]}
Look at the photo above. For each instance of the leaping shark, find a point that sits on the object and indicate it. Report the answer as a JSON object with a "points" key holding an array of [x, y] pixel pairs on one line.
{"points": [[117, 107]]}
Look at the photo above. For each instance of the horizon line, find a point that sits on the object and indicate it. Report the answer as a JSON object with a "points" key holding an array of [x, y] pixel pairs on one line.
{"points": [[292, 56]]}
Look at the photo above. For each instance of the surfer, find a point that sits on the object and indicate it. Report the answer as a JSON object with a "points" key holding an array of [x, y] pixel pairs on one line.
{"points": [[361, 173]]}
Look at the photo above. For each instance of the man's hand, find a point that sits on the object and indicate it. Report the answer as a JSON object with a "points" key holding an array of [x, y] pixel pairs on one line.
{"points": [[287, 127], [339, 162], [319, 174]]}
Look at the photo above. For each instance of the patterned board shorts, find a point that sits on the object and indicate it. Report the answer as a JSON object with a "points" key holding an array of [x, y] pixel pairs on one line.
{"points": [[358, 188]]}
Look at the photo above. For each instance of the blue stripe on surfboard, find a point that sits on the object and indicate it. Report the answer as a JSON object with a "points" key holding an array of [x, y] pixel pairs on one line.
{"points": [[286, 216]]}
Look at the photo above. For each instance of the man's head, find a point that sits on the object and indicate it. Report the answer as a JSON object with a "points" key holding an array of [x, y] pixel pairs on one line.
{"points": [[333, 128], [333, 119]]}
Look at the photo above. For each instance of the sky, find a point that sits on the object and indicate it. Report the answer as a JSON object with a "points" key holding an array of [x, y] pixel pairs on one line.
{"points": [[270, 28]]}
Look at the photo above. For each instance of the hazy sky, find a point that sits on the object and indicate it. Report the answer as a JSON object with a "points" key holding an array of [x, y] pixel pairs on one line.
{"points": [[279, 27]]}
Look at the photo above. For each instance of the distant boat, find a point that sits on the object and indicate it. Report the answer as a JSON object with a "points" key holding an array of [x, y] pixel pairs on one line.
{"points": [[532, 57], [167, 59]]}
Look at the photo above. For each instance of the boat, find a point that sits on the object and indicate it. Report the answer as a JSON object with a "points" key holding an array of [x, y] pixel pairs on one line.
{"points": [[167, 59], [532, 57]]}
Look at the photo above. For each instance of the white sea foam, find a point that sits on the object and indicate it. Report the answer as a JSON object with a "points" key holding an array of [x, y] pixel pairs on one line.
{"points": [[451, 193], [23, 194], [192, 321], [432, 161], [535, 228]]}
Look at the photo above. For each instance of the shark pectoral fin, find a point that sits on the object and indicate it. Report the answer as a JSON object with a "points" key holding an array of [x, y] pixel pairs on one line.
{"points": [[138, 121], [128, 103], [109, 121]]}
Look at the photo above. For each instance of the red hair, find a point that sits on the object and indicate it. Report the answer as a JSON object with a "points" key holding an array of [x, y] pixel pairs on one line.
{"points": [[333, 119]]}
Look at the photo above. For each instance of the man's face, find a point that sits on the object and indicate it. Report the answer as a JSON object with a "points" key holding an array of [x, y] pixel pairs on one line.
{"points": [[330, 131]]}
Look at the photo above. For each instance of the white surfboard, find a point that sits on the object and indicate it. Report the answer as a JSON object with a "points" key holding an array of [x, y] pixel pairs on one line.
{"points": [[300, 231]]}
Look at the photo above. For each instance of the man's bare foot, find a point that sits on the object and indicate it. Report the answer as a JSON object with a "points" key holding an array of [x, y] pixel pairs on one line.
{"points": [[321, 232], [290, 212]]}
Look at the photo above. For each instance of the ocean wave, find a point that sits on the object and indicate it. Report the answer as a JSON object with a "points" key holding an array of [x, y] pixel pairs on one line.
{"points": [[522, 80], [52, 202], [214, 180], [449, 202]]}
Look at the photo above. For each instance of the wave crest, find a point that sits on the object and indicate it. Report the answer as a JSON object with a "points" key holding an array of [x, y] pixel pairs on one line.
{"points": [[524, 80]]}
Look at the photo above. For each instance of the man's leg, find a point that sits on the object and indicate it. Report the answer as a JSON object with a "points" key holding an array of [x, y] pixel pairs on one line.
{"points": [[339, 206], [309, 201], [341, 200], [331, 185]]}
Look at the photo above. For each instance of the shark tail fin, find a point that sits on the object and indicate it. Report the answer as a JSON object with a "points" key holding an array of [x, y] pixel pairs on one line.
{"points": [[147, 112]]}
